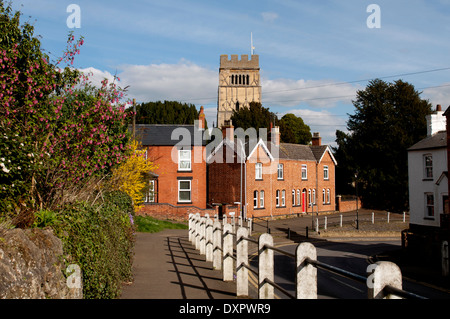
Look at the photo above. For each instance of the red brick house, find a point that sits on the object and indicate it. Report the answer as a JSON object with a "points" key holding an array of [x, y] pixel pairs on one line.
{"points": [[178, 186], [272, 178]]}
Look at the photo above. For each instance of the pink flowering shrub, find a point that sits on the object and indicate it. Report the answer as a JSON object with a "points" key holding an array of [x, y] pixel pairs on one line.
{"points": [[57, 130]]}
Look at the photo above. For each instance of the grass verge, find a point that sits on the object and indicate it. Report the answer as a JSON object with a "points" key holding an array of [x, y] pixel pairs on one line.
{"points": [[146, 224]]}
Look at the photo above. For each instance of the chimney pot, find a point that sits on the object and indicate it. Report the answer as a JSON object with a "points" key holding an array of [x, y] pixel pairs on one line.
{"points": [[316, 139], [439, 108]]}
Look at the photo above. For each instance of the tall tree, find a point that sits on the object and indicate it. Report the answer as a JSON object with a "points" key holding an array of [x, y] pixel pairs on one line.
{"points": [[167, 112], [388, 119], [255, 116], [294, 130]]}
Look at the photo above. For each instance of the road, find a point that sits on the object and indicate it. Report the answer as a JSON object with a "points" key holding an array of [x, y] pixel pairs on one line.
{"points": [[352, 256]]}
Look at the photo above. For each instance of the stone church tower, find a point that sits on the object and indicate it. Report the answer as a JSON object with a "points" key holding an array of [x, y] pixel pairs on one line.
{"points": [[239, 84]]}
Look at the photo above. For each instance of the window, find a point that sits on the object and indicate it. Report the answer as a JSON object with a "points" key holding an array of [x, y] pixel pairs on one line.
{"points": [[429, 205], [314, 196], [184, 160], [184, 191], [428, 165], [299, 202], [309, 197], [277, 198], [293, 197], [150, 196], [258, 171], [283, 198], [324, 199], [304, 172], [328, 197], [280, 171], [255, 199], [261, 199], [325, 172]]}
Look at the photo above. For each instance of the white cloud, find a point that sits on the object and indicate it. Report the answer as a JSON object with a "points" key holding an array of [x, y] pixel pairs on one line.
{"points": [[269, 16], [320, 94], [184, 82], [323, 122], [438, 95]]}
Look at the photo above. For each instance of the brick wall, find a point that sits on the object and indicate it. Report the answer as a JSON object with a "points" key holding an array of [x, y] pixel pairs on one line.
{"points": [[172, 212], [168, 174], [347, 205]]}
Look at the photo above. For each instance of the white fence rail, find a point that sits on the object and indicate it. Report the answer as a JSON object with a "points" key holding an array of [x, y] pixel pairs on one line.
{"points": [[217, 240]]}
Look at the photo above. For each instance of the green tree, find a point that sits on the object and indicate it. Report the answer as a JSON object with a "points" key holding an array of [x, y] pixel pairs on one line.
{"points": [[255, 116], [294, 130], [388, 119], [167, 112]]}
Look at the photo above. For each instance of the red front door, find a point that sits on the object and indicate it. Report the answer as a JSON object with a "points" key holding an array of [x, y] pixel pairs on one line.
{"points": [[304, 202]]}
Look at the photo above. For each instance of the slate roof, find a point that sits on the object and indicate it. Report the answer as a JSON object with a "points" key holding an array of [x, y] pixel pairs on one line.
{"points": [[438, 140], [168, 135]]}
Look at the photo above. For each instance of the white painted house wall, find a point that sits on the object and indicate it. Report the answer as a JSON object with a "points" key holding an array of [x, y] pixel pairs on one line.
{"points": [[419, 183], [419, 186]]}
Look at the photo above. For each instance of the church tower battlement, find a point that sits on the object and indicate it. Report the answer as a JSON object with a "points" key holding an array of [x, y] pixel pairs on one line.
{"points": [[239, 84]]}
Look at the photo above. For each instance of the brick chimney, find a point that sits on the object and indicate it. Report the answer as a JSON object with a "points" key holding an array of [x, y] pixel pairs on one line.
{"points": [[316, 139], [228, 130], [201, 119]]}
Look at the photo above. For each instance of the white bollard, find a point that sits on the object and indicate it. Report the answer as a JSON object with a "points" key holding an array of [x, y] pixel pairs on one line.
{"points": [[217, 250], [265, 271], [380, 275], [209, 240], [191, 228], [373, 218], [306, 279], [388, 216], [340, 223], [325, 225], [241, 261], [227, 252], [202, 235]]}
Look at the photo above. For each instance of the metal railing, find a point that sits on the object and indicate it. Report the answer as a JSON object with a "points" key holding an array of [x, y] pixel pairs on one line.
{"points": [[218, 241]]}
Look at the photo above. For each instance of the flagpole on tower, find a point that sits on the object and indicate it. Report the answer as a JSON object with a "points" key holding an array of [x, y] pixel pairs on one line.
{"points": [[251, 43]]}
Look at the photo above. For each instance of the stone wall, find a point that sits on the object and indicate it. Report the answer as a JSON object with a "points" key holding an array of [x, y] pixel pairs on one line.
{"points": [[32, 265]]}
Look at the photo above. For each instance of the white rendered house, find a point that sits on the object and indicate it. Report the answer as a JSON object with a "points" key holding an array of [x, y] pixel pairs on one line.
{"points": [[427, 170]]}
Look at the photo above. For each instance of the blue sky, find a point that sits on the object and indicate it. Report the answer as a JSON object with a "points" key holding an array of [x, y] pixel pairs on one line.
{"points": [[314, 55]]}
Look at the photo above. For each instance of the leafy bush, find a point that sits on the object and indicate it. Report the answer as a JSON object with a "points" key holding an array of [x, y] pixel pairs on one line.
{"points": [[100, 239]]}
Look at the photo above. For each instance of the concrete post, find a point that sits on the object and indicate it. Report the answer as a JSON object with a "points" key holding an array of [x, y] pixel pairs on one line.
{"points": [[306, 280], [224, 219], [233, 223], [202, 235], [217, 251], [197, 232], [373, 218], [191, 222], [227, 252], [380, 275], [209, 240], [317, 225], [388, 216], [241, 260], [325, 225], [266, 264], [250, 226], [404, 217], [340, 222], [445, 261]]}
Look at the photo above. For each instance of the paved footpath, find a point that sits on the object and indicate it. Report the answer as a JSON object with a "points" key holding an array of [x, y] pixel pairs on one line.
{"points": [[167, 266]]}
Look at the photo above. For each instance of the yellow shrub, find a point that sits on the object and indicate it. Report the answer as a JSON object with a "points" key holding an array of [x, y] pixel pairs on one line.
{"points": [[133, 175]]}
